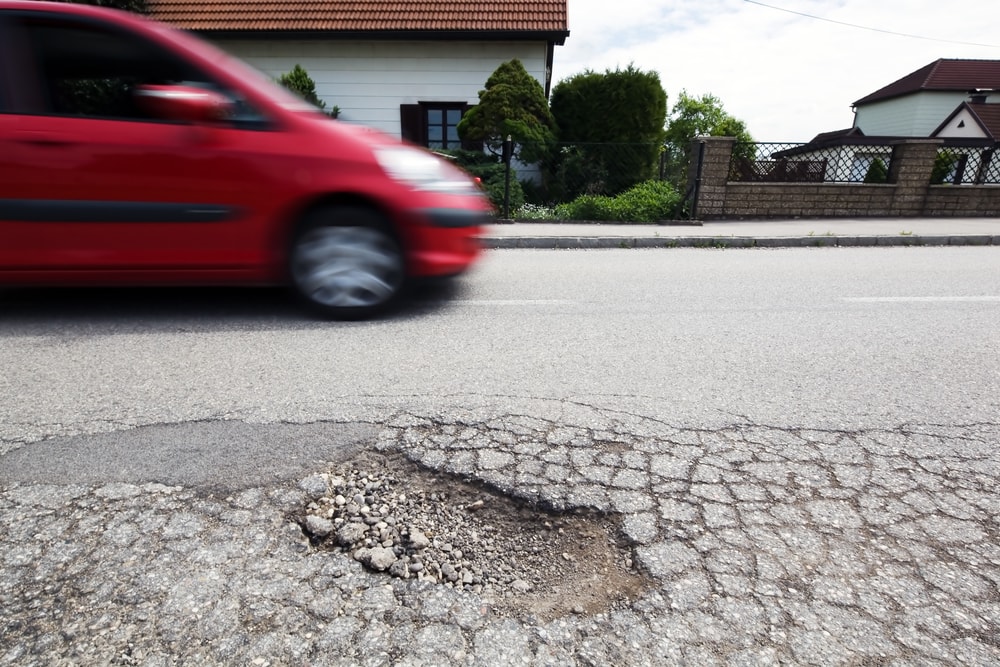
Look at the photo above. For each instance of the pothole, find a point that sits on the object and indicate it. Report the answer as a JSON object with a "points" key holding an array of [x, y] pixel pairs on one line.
{"points": [[401, 520]]}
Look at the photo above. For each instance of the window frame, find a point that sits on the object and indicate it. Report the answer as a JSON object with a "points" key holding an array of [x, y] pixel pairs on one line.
{"points": [[415, 124]]}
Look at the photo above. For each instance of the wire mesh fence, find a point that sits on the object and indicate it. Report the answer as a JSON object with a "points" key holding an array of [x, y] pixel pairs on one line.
{"points": [[975, 163], [966, 165], [807, 163]]}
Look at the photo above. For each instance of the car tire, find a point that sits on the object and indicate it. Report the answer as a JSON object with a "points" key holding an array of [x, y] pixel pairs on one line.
{"points": [[345, 263]]}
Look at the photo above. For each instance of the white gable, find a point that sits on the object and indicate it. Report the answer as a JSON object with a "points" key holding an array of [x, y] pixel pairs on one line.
{"points": [[962, 125]]}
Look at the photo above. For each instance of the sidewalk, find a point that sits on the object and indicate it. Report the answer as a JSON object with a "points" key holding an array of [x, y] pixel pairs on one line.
{"points": [[746, 234]]}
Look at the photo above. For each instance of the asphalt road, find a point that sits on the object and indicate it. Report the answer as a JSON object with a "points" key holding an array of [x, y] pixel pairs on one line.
{"points": [[825, 337], [797, 448]]}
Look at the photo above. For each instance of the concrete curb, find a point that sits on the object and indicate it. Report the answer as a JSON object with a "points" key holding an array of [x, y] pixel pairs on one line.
{"points": [[589, 242]]}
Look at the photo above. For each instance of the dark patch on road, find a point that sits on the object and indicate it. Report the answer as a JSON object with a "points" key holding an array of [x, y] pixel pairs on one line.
{"points": [[224, 455]]}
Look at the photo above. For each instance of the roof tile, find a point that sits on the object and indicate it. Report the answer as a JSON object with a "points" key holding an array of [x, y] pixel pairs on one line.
{"points": [[364, 15], [950, 75], [989, 116]]}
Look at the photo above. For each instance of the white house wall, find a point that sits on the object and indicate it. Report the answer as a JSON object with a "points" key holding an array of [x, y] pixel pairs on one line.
{"points": [[369, 80], [914, 115]]}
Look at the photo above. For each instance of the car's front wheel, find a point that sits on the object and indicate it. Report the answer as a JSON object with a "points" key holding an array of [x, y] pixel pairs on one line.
{"points": [[345, 263]]}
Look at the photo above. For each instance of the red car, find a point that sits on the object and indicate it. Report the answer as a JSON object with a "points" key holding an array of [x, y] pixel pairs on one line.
{"points": [[134, 153]]}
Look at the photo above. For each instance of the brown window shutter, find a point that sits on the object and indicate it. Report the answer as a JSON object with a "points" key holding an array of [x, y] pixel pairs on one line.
{"points": [[411, 123]]}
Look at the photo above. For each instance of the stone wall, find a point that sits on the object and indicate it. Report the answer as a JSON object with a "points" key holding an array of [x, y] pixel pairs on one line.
{"points": [[908, 192]]}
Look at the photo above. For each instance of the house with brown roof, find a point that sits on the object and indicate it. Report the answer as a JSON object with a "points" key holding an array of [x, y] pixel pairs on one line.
{"points": [[957, 101], [410, 68], [915, 105]]}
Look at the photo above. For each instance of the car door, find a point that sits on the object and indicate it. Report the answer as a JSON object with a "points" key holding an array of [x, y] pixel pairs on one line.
{"points": [[89, 183]]}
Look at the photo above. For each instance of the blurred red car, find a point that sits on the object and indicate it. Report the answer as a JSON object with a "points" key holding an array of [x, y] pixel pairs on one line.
{"points": [[133, 153]]}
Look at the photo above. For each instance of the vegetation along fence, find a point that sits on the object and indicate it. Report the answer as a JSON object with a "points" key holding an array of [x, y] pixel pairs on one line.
{"points": [[580, 180], [719, 177]]}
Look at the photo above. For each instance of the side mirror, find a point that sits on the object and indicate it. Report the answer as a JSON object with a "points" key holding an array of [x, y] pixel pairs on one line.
{"points": [[182, 103]]}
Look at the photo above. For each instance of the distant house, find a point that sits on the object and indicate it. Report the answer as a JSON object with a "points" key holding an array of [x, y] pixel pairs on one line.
{"points": [[957, 101], [915, 105], [410, 68]]}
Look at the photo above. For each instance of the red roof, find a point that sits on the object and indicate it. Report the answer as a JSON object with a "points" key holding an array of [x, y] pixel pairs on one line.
{"points": [[366, 16], [948, 75]]}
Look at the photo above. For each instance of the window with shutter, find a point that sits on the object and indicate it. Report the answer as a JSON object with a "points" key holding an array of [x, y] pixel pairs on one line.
{"points": [[433, 124]]}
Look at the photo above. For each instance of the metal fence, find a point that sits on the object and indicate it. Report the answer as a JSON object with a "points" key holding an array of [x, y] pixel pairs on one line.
{"points": [[806, 163], [958, 163], [967, 165]]}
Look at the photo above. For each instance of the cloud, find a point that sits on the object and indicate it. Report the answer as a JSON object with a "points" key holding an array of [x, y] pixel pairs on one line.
{"points": [[787, 76]]}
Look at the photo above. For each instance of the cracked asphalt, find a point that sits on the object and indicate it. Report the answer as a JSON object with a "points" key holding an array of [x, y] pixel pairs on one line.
{"points": [[765, 545], [796, 451]]}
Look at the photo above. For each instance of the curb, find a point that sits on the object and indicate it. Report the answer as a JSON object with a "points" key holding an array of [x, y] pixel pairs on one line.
{"points": [[589, 242]]}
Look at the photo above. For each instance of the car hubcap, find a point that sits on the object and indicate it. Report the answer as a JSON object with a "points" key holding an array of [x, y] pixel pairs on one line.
{"points": [[347, 267]]}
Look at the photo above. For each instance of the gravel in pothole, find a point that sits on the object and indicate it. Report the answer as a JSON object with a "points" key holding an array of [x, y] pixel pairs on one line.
{"points": [[411, 523]]}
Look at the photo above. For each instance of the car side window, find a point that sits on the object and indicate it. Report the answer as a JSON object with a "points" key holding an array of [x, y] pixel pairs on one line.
{"points": [[91, 70]]}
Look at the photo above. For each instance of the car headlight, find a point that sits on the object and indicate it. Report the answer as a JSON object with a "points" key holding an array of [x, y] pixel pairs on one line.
{"points": [[424, 171]]}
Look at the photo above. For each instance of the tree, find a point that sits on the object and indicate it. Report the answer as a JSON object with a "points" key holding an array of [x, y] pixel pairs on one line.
{"points": [[512, 103], [299, 82], [696, 117], [616, 121]]}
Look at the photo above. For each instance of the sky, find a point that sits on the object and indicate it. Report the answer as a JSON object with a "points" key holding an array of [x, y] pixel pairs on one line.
{"points": [[786, 75]]}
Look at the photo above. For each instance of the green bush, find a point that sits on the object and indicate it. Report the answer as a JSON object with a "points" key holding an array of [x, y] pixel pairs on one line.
{"points": [[534, 193], [490, 171], [616, 121], [877, 172], [588, 207], [494, 187], [944, 166], [649, 201]]}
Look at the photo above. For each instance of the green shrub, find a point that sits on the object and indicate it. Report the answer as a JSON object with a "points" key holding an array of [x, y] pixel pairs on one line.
{"points": [[587, 207], [534, 193], [649, 201], [494, 187], [616, 121], [944, 166], [877, 172], [490, 172]]}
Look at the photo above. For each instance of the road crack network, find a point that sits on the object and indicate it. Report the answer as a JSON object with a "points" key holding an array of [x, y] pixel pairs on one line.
{"points": [[756, 544]]}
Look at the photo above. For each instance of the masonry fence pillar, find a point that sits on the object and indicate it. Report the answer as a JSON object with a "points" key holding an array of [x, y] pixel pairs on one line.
{"points": [[912, 164], [711, 183]]}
